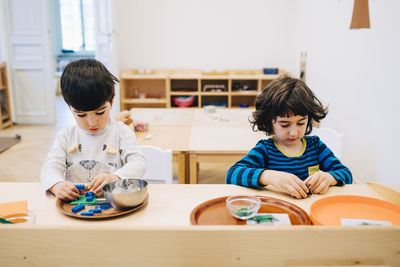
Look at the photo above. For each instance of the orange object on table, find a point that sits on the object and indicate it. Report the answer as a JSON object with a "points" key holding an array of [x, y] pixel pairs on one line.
{"points": [[330, 210], [14, 210], [215, 212]]}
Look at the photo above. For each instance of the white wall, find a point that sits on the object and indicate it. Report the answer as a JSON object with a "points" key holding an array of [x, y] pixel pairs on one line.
{"points": [[2, 57], [206, 34], [356, 72]]}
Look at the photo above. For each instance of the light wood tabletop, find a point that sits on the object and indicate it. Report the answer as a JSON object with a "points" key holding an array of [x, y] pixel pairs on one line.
{"points": [[168, 205], [164, 116], [222, 117], [161, 234], [175, 138]]}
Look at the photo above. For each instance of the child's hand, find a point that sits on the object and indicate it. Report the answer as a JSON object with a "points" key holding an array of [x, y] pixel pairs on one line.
{"points": [[319, 182], [285, 182], [124, 116], [65, 191], [101, 180]]}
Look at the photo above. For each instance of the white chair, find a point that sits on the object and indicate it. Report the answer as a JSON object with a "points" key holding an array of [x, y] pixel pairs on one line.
{"points": [[159, 164], [331, 138]]}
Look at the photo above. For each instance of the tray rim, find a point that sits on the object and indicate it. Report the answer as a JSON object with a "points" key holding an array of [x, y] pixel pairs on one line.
{"points": [[207, 203], [350, 199], [60, 202]]}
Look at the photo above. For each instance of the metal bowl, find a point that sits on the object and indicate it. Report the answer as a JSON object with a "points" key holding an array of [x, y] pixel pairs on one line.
{"points": [[125, 193]]}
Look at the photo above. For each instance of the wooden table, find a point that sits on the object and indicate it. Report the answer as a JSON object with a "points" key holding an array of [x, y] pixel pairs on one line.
{"points": [[196, 136], [174, 138], [161, 234], [168, 129], [219, 144]]}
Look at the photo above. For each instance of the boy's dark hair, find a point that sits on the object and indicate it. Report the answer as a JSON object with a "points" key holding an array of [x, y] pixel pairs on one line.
{"points": [[86, 84], [283, 97]]}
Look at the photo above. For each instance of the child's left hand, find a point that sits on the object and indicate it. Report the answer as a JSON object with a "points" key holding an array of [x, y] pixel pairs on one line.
{"points": [[319, 182], [101, 180], [124, 116]]}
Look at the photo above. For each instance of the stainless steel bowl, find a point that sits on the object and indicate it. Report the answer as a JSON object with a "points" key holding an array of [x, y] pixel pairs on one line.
{"points": [[125, 193]]}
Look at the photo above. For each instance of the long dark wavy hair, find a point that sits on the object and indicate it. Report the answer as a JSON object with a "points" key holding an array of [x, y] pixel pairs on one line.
{"points": [[284, 97]]}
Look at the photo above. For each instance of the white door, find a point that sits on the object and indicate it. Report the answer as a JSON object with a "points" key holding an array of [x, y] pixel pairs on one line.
{"points": [[105, 50], [30, 61]]}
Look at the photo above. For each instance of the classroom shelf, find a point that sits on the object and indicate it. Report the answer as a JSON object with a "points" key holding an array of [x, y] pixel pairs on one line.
{"points": [[146, 100], [159, 88], [5, 108]]}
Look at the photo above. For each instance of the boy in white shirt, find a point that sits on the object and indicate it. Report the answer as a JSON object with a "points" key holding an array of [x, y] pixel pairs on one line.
{"points": [[97, 150]]}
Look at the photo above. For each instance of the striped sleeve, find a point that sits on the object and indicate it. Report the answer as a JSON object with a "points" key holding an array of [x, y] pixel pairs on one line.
{"points": [[247, 170], [331, 164]]}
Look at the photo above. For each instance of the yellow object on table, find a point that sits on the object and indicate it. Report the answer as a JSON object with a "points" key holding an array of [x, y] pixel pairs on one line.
{"points": [[14, 210]]}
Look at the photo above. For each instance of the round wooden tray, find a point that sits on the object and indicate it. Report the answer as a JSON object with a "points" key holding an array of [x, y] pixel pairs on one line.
{"points": [[329, 210], [215, 212], [66, 208]]}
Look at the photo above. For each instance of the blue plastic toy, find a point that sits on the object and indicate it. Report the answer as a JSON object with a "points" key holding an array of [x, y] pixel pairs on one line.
{"points": [[87, 213], [89, 194], [105, 206], [80, 186], [95, 210], [78, 208]]}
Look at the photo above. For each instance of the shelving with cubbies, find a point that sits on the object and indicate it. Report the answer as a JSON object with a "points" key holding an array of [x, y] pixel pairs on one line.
{"points": [[5, 108], [180, 88], [143, 90], [184, 92]]}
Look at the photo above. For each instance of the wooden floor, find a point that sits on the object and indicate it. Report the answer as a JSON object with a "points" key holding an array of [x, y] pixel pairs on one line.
{"points": [[22, 162]]}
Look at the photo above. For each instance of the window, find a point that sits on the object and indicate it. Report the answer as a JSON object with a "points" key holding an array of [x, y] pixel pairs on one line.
{"points": [[75, 33], [77, 26]]}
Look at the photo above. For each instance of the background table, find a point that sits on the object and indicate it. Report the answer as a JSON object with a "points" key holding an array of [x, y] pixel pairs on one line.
{"points": [[175, 138], [161, 234], [196, 136], [219, 144]]}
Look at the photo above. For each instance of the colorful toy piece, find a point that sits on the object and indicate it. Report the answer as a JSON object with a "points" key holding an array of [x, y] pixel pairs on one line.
{"points": [[95, 210], [87, 213], [89, 194], [105, 206], [84, 200], [5, 221], [78, 208], [80, 186]]}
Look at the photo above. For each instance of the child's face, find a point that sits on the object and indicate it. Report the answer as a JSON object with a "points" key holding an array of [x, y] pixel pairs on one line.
{"points": [[93, 121], [289, 130]]}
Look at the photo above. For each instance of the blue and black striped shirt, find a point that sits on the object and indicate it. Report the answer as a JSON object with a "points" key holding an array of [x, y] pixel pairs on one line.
{"points": [[315, 156]]}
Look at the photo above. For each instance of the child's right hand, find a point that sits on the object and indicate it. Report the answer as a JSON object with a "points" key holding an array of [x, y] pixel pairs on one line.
{"points": [[285, 182], [65, 191]]}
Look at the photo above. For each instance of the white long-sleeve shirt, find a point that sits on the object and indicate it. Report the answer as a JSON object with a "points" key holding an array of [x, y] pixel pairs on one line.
{"points": [[78, 156]]}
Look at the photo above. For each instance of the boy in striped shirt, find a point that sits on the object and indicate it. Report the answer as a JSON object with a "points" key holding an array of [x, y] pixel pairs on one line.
{"points": [[290, 160]]}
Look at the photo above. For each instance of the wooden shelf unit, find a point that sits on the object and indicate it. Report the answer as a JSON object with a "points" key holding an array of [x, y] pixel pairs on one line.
{"points": [[5, 108], [233, 88]]}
